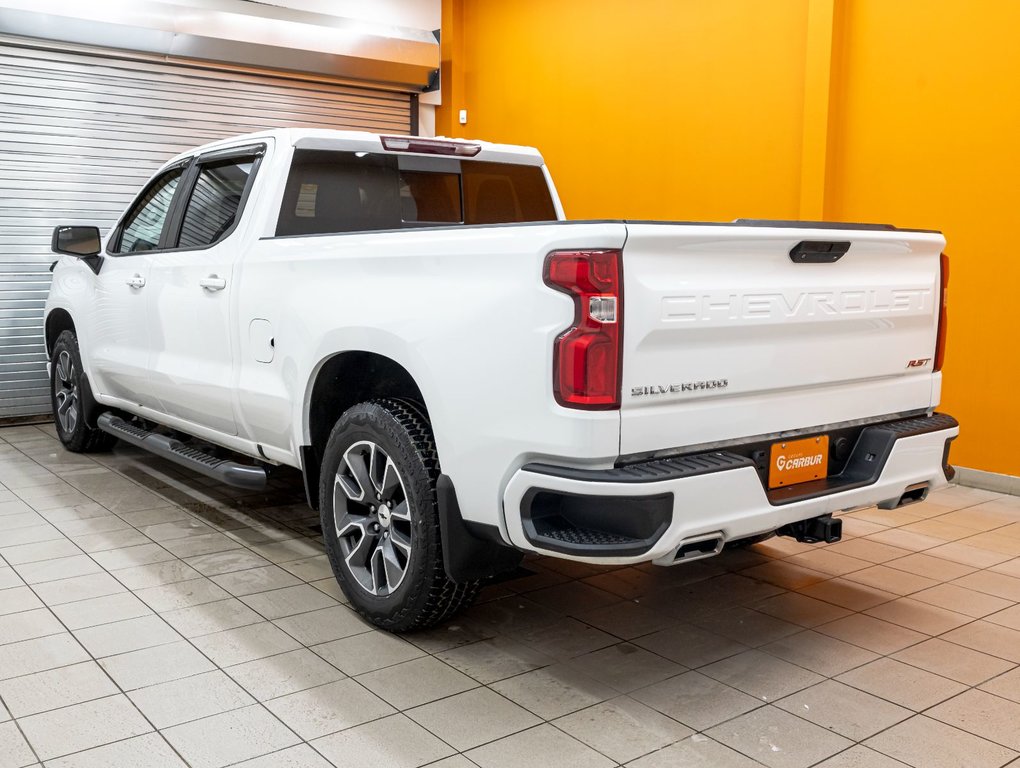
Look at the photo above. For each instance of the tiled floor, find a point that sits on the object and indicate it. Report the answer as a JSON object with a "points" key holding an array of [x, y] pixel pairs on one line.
{"points": [[150, 618]]}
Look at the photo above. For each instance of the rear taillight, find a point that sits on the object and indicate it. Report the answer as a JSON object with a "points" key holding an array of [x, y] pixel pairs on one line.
{"points": [[587, 355], [940, 341]]}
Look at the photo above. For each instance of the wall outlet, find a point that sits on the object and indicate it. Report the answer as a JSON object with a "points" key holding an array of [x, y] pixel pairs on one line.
{"points": [[463, 117]]}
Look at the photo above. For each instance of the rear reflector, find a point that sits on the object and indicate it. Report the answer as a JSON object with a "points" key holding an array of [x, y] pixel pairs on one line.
{"points": [[587, 355], [940, 342], [430, 146]]}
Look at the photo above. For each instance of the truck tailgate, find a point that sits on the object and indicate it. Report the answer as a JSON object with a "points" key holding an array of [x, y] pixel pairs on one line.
{"points": [[726, 335]]}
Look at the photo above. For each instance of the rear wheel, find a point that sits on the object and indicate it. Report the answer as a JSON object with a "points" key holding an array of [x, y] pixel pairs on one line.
{"points": [[66, 388], [380, 519]]}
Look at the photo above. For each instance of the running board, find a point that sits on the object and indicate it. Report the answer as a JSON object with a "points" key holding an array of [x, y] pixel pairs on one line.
{"points": [[230, 472]]}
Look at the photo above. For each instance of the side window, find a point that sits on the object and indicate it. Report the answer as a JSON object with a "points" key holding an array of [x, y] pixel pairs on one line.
{"points": [[213, 207], [144, 223]]}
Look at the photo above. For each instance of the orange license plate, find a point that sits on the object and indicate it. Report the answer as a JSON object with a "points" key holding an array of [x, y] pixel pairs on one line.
{"points": [[798, 461]]}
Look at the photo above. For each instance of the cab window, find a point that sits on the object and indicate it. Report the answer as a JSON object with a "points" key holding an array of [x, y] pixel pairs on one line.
{"points": [[143, 226], [215, 201]]}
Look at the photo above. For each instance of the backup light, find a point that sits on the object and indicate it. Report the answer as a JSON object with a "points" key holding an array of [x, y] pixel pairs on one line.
{"points": [[430, 146]]}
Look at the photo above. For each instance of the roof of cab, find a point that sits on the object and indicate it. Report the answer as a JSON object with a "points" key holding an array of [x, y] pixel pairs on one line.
{"points": [[355, 141]]}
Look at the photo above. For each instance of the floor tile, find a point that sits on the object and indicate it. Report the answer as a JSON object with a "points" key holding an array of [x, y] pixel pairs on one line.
{"points": [[851, 595], [329, 708], [278, 603], [990, 583], [844, 710], [902, 684], [919, 616], [236, 646], [553, 691], [925, 743], [778, 739], [988, 638], [40, 654], [31, 553], [14, 750], [78, 588], [859, 756], [472, 718], [42, 571], [83, 726], [956, 662], [155, 574], [230, 737], [208, 618], [43, 691], [626, 667], [284, 673], [299, 756], [936, 568], [800, 609], [696, 750], [496, 659], [101, 610], [871, 633], [962, 600], [622, 729], [820, 653], [252, 580], [128, 635], [182, 594], [151, 666], [696, 700], [394, 742], [27, 625], [984, 715], [132, 556], [416, 682], [1006, 685], [565, 639], [181, 701], [690, 646], [368, 651], [626, 620], [324, 625], [18, 599], [218, 563], [541, 747], [147, 751]]}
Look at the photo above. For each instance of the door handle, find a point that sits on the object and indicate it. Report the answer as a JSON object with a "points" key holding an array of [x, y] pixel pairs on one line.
{"points": [[136, 281], [213, 283]]}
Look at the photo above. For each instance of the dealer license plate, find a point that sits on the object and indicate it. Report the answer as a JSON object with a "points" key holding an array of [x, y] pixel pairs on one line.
{"points": [[798, 461]]}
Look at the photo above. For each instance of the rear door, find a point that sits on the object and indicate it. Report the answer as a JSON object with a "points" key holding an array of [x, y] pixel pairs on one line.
{"points": [[728, 335], [191, 336]]}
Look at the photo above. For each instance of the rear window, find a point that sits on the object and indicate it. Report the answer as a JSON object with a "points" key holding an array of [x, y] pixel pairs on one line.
{"points": [[329, 192]]}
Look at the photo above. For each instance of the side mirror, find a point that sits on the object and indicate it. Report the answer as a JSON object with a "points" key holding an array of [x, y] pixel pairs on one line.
{"points": [[76, 241]]}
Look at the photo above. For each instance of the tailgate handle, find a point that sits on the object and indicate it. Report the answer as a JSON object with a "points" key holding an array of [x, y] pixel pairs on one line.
{"points": [[818, 251]]}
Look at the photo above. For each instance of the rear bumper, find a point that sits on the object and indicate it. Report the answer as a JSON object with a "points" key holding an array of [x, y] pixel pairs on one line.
{"points": [[648, 511]]}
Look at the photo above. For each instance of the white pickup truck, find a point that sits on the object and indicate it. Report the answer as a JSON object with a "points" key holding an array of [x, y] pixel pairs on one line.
{"points": [[462, 375]]}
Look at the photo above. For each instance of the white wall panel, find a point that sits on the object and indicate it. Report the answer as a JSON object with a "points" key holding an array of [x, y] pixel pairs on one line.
{"points": [[79, 135]]}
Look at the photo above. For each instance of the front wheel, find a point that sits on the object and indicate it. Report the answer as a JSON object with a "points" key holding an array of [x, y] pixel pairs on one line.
{"points": [[67, 382], [380, 519]]}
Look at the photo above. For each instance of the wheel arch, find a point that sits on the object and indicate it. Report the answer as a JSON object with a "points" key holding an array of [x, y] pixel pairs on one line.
{"points": [[57, 321], [342, 380]]}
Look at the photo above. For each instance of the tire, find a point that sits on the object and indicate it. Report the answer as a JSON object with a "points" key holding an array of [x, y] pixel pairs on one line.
{"points": [[66, 378], [387, 557]]}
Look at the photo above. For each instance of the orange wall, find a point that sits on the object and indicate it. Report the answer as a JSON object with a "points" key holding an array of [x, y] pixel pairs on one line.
{"points": [[927, 133], [682, 109], [674, 111]]}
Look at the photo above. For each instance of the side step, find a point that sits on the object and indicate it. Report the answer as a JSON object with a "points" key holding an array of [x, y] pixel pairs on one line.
{"points": [[230, 472]]}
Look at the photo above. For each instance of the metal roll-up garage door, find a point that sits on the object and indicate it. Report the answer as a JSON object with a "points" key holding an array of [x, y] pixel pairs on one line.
{"points": [[79, 135]]}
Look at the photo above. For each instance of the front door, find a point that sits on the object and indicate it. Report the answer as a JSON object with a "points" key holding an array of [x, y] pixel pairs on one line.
{"points": [[191, 334], [118, 349]]}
